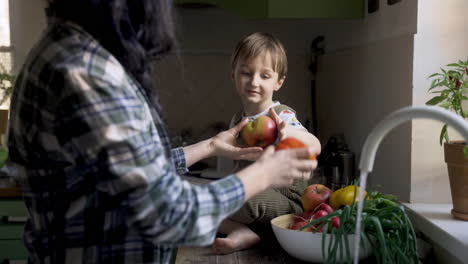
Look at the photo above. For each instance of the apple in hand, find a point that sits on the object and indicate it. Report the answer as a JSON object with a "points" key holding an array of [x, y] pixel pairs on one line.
{"points": [[314, 195], [260, 132]]}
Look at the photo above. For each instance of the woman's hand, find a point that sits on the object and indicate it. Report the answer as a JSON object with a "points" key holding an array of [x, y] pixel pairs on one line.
{"points": [[275, 169], [224, 144]]}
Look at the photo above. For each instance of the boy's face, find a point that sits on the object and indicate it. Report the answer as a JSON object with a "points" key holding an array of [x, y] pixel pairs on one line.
{"points": [[256, 80]]}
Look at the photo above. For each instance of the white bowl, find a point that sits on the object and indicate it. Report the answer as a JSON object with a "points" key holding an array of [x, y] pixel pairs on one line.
{"points": [[307, 246]]}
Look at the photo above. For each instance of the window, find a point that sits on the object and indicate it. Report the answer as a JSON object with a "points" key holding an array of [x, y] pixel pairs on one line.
{"points": [[6, 58]]}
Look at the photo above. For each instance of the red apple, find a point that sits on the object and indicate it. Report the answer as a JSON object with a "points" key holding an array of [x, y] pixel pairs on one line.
{"points": [[260, 132], [315, 195], [317, 215], [297, 225]]}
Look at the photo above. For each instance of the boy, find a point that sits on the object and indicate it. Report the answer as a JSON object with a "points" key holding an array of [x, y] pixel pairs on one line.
{"points": [[259, 67]]}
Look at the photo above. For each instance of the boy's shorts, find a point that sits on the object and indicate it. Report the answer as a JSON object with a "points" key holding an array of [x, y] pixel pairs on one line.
{"points": [[271, 203]]}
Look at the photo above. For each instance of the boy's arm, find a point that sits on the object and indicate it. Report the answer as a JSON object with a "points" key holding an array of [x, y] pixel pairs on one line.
{"points": [[291, 127]]}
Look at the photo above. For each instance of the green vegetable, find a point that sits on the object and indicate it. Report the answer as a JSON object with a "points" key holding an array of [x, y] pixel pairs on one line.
{"points": [[384, 224]]}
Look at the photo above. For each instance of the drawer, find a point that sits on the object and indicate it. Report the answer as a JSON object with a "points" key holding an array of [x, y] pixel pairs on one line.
{"points": [[11, 230], [12, 207], [12, 249]]}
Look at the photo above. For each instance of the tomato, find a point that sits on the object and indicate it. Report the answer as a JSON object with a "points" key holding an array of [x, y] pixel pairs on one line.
{"points": [[291, 142], [298, 225], [326, 208], [345, 196], [335, 222], [304, 216], [317, 215]]}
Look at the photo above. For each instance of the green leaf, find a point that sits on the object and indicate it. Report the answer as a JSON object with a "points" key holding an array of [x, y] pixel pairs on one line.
{"points": [[434, 84], [442, 134], [434, 74], [436, 100], [445, 105], [453, 65], [465, 150], [446, 137], [3, 156]]}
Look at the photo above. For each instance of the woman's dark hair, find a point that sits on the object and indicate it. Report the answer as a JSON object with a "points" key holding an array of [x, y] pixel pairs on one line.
{"points": [[134, 31]]}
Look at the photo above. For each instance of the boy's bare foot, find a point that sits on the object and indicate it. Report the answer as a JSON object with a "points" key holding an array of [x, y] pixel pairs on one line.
{"points": [[238, 239]]}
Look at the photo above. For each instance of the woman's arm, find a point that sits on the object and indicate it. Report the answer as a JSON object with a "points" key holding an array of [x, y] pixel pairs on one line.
{"points": [[223, 144], [125, 160]]}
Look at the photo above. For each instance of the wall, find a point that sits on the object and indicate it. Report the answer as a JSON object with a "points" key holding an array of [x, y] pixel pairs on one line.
{"points": [[196, 89], [367, 74], [441, 39], [27, 21]]}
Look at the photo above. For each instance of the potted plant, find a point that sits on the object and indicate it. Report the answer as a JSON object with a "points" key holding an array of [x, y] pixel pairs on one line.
{"points": [[451, 86], [7, 80], [6, 86]]}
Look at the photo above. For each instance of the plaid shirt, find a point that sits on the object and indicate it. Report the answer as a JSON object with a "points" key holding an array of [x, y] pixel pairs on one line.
{"points": [[100, 180]]}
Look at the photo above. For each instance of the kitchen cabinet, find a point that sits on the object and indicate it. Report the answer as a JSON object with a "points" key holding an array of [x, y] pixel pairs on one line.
{"points": [[12, 215], [332, 9]]}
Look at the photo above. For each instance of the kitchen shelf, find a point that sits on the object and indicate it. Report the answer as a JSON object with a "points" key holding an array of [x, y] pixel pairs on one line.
{"points": [[323, 9], [436, 222]]}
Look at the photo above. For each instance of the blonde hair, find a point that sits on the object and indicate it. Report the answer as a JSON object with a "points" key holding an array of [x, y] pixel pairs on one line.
{"points": [[257, 44]]}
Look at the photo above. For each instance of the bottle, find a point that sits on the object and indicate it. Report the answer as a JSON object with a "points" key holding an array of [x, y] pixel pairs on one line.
{"points": [[347, 166]]}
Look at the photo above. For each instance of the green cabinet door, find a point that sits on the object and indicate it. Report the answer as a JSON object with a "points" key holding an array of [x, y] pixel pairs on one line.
{"points": [[11, 234], [12, 249], [12, 207]]}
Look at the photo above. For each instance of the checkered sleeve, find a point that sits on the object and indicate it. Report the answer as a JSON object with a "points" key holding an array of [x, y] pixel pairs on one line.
{"points": [[107, 126], [179, 160]]}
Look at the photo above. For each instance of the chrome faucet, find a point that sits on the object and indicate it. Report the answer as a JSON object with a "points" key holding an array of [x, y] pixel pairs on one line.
{"points": [[375, 137]]}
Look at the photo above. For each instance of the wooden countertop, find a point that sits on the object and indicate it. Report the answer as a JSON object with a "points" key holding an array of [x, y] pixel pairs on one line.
{"points": [[270, 252], [264, 254]]}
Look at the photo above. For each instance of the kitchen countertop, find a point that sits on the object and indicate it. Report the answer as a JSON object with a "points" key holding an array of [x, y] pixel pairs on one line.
{"points": [[436, 222]]}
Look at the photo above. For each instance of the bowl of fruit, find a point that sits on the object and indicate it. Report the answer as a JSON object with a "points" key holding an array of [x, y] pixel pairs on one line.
{"points": [[325, 231], [313, 235]]}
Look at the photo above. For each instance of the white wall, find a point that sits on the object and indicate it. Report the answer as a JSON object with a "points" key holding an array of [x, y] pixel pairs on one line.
{"points": [[442, 38], [27, 21], [197, 91], [366, 74]]}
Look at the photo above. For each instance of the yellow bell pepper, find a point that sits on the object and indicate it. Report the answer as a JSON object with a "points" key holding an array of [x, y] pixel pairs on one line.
{"points": [[344, 196]]}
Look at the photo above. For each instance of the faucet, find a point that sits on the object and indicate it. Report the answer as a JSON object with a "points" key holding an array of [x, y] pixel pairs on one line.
{"points": [[375, 137]]}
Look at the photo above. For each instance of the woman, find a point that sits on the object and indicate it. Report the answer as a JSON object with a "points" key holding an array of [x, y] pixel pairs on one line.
{"points": [[86, 132]]}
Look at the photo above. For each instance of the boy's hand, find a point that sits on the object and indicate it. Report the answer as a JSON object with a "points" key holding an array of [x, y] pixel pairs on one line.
{"points": [[224, 144], [284, 130]]}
